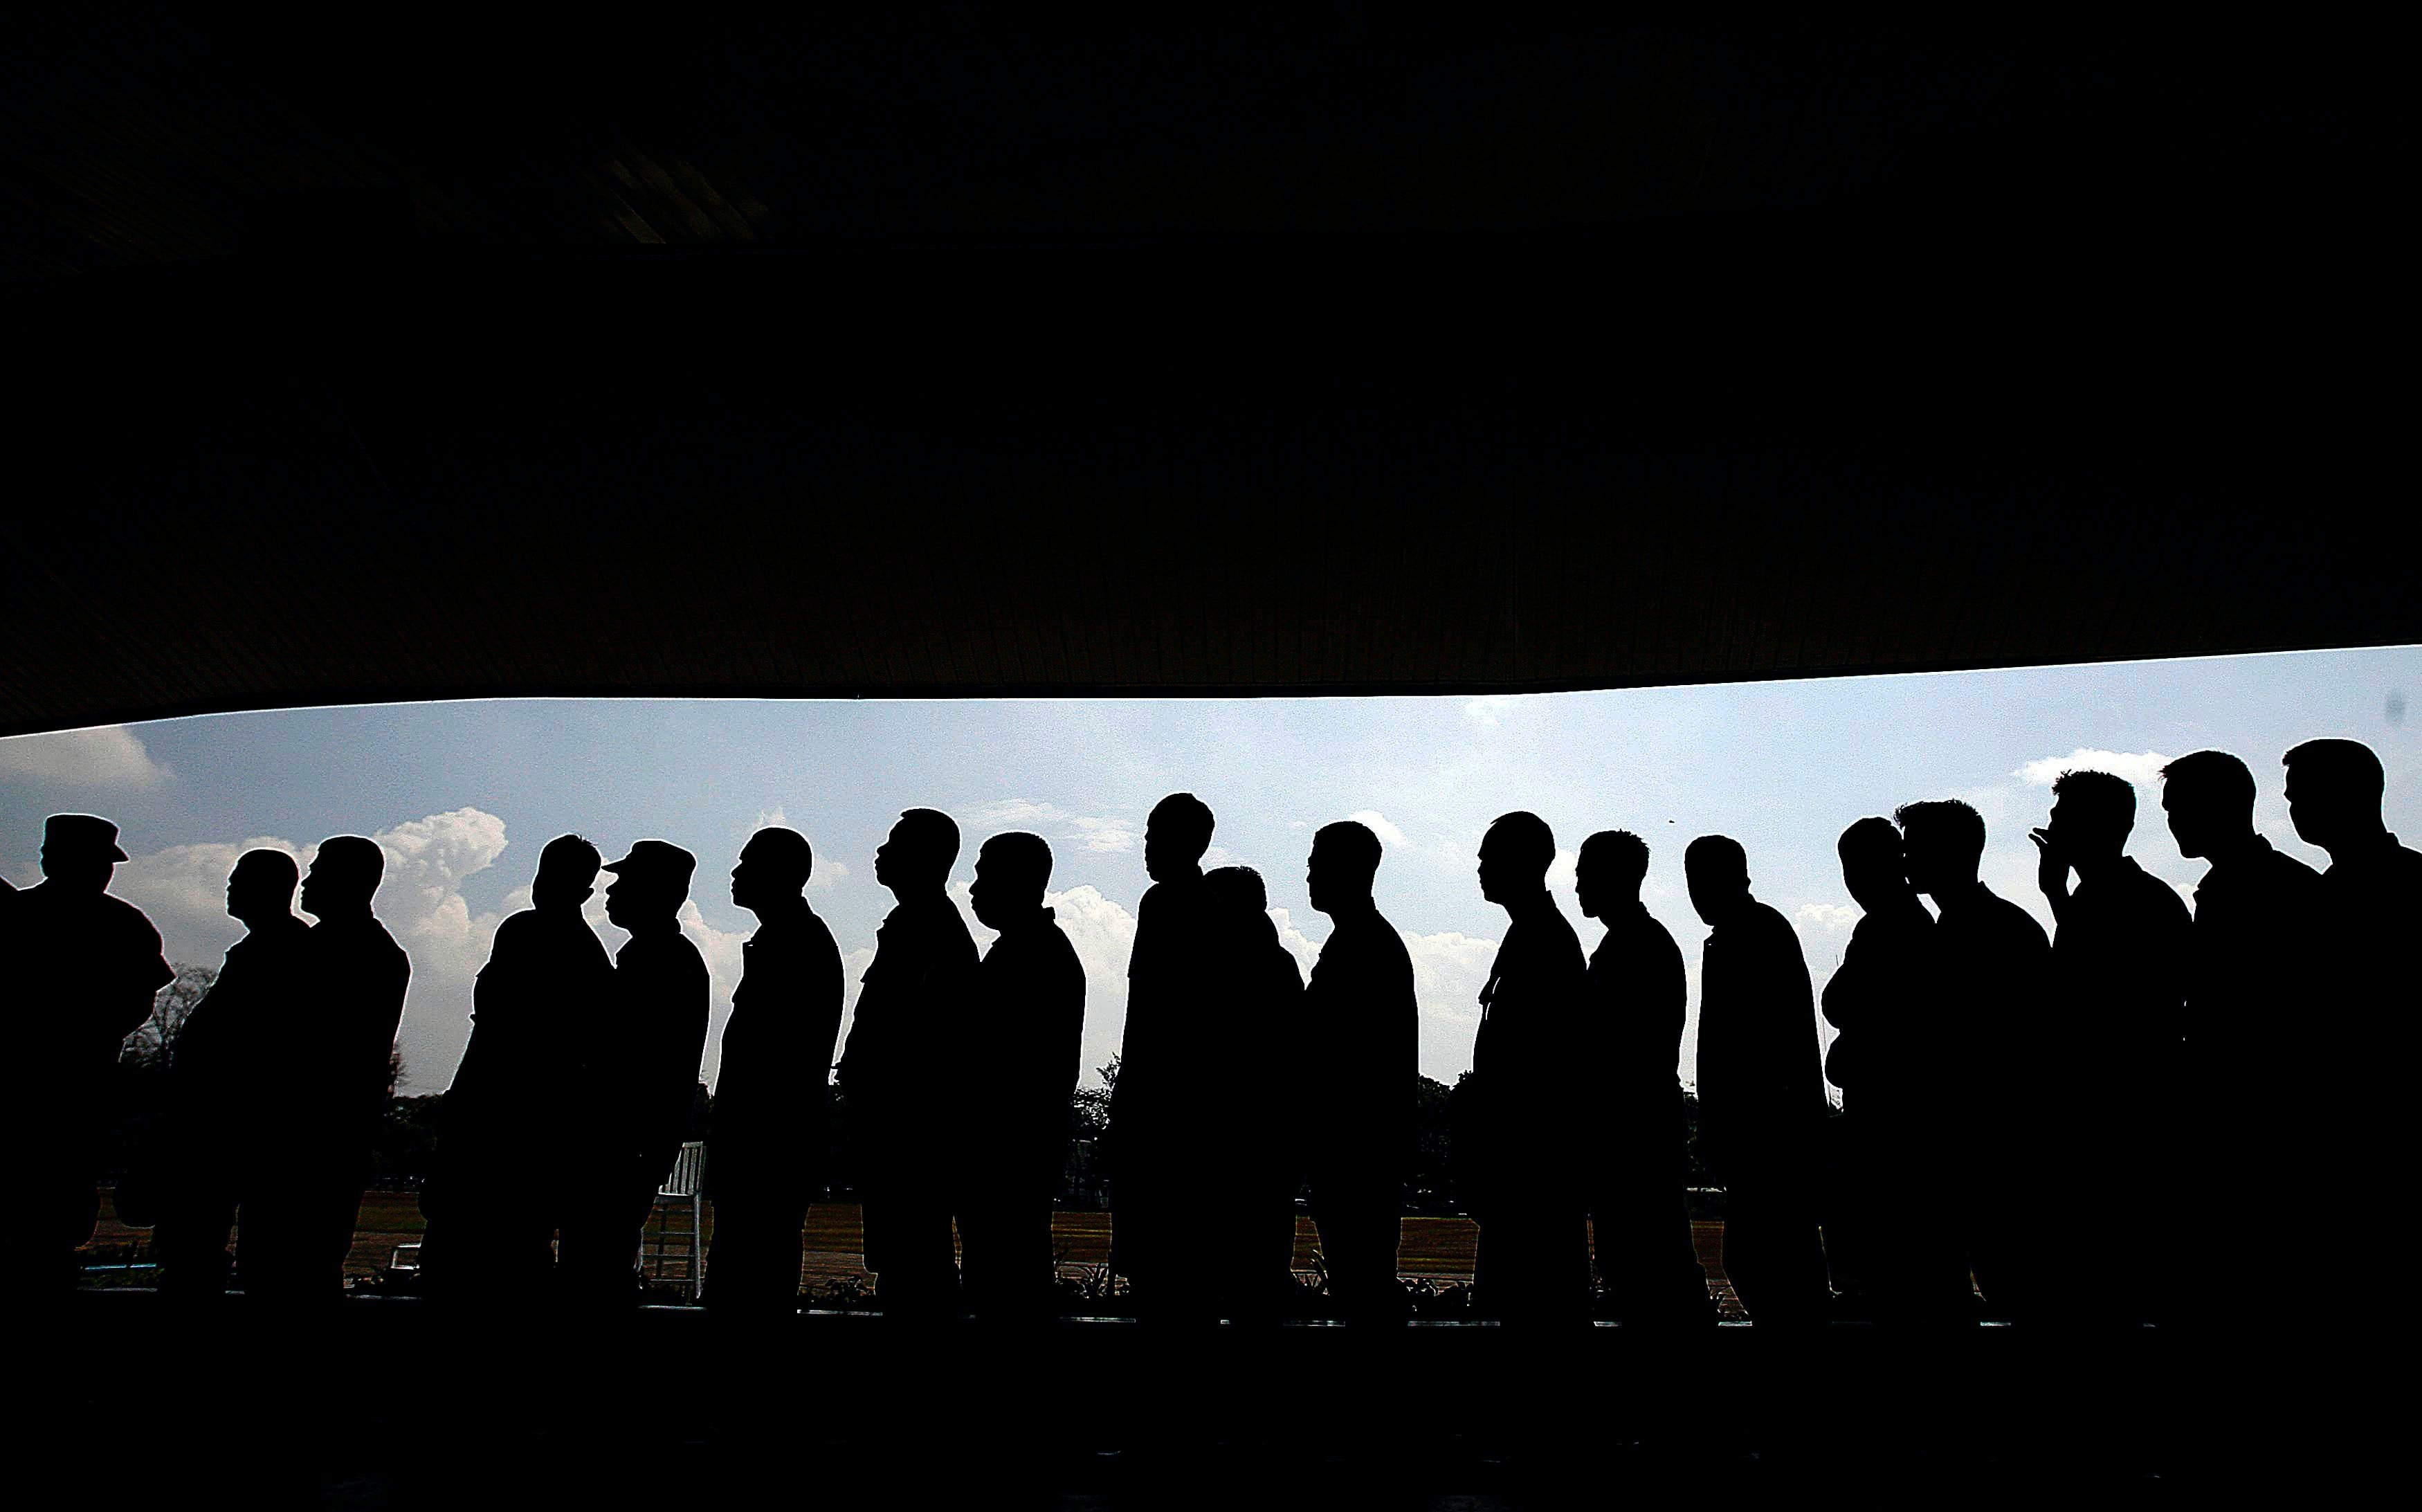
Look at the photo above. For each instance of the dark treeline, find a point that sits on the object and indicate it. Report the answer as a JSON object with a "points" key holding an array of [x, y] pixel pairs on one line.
{"points": [[2020, 1112]]}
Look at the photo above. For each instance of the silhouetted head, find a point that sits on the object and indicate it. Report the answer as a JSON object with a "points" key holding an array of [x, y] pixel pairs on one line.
{"points": [[1873, 867], [1236, 889], [773, 869], [1607, 877], [1717, 870], [1944, 840], [917, 856], [80, 852], [2209, 796], [567, 872], [2091, 816], [261, 886], [650, 885], [1345, 860], [1012, 872], [1175, 836], [344, 877], [1515, 856], [2333, 791]]}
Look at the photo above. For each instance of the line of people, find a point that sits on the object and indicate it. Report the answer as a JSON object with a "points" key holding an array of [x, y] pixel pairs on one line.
{"points": [[2005, 1093]]}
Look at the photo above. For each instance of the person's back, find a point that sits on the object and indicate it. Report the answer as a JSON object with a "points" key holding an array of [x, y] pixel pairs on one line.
{"points": [[1761, 1099], [1996, 979], [86, 965], [497, 1193], [1761, 1090], [1360, 1043], [335, 1061], [765, 1148], [903, 1065], [2369, 896], [1889, 1239], [1158, 1102], [1638, 1004], [1517, 1120], [1259, 984], [216, 1129], [1020, 1073]]}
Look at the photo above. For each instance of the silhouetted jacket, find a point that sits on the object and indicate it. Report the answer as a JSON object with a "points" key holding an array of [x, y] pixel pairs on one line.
{"points": [[2123, 956], [2374, 896], [218, 1086], [773, 1096], [354, 980], [86, 966], [1637, 1001], [1171, 996], [1761, 1086], [2258, 955], [1361, 1032], [659, 1033], [1518, 1120], [1995, 971], [912, 1003], [1022, 1051], [1879, 1000], [546, 976]]}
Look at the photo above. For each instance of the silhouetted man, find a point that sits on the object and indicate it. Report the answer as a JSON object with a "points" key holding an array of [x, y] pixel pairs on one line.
{"points": [[2120, 959], [2258, 957], [2371, 895], [1360, 1047], [766, 1145], [335, 1060], [900, 1071], [1894, 1249], [505, 1145], [1165, 1095], [1519, 1124], [86, 965], [1994, 981], [1761, 1090], [1021, 1062], [644, 1080], [1262, 983], [1637, 1001], [215, 1130]]}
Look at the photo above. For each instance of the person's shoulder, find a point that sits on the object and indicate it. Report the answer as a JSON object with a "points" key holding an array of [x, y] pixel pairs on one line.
{"points": [[2007, 918], [2285, 870], [2158, 895], [124, 916]]}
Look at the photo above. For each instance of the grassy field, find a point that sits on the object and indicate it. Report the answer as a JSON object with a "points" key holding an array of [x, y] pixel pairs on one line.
{"points": [[1432, 1249]]}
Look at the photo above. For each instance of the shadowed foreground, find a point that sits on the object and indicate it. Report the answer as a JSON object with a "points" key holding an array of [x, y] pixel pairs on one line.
{"points": [[389, 1402]]}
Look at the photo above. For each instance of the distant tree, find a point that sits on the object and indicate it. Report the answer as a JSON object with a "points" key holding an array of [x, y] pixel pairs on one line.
{"points": [[153, 1047], [1088, 1108]]}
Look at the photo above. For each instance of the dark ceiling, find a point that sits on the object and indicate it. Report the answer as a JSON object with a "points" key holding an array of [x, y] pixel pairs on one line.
{"points": [[927, 356]]}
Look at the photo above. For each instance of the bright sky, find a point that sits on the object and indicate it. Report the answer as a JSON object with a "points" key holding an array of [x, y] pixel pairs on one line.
{"points": [[464, 795]]}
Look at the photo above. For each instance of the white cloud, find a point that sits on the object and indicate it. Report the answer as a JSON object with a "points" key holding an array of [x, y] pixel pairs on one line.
{"points": [[1092, 832], [1486, 711], [1828, 915], [2142, 768], [110, 756], [1379, 825], [1564, 870]]}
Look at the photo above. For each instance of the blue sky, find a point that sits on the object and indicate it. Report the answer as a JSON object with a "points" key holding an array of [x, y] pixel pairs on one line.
{"points": [[464, 795]]}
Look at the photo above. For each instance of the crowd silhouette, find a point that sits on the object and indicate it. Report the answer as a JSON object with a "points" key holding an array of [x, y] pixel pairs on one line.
{"points": [[2011, 1102]]}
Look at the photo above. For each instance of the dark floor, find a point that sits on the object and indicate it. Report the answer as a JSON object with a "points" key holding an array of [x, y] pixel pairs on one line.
{"points": [[394, 1403]]}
